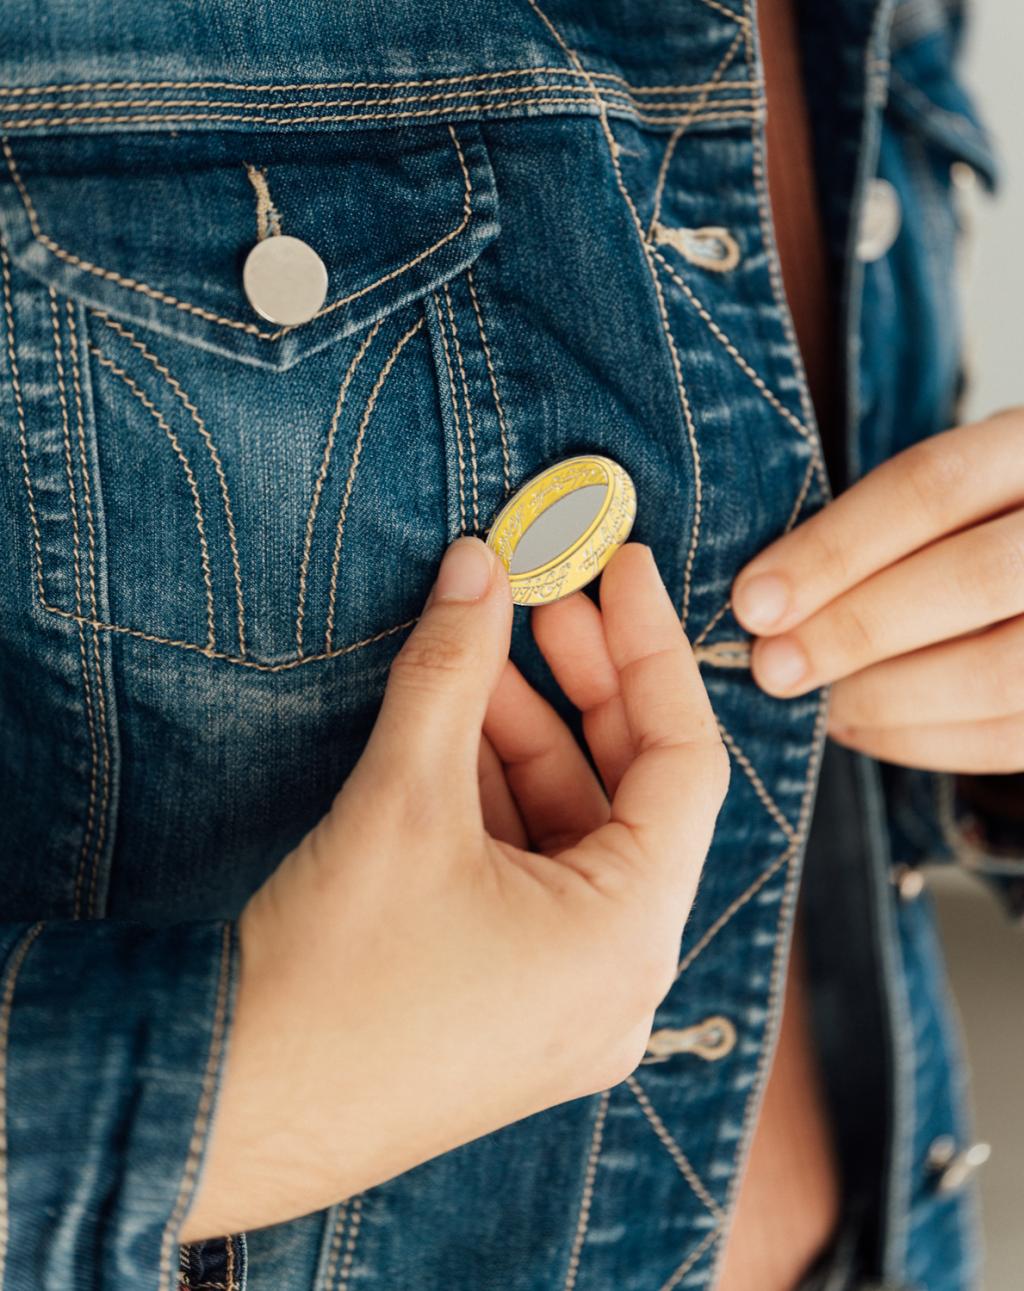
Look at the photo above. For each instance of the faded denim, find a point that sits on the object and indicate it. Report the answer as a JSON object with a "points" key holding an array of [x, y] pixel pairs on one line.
{"points": [[216, 534]]}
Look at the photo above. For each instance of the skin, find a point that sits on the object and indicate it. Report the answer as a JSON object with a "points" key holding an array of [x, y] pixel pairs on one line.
{"points": [[907, 592], [481, 927]]}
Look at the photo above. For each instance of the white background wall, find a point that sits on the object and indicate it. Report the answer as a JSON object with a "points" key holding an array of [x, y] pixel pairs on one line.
{"points": [[986, 954]]}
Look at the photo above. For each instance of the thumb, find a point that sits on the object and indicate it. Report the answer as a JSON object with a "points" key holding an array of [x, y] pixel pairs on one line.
{"points": [[442, 678]]}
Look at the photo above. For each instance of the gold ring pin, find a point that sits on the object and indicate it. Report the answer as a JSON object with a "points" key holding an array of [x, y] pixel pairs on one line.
{"points": [[557, 532]]}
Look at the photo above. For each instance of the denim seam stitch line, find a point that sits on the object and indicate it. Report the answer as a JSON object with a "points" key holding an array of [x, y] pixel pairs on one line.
{"points": [[11, 972], [443, 333], [680, 130], [614, 97], [794, 515], [684, 400], [371, 404], [197, 505], [795, 851], [348, 1258], [81, 87], [19, 408], [334, 1231], [664, 120], [202, 1117], [468, 407], [94, 752], [506, 465], [587, 1193], [710, 1237], [211, 448], [744, 364], [732, 909], [321, 476], [101, 694], [667, 1139], [767, 801], [110, 275]]}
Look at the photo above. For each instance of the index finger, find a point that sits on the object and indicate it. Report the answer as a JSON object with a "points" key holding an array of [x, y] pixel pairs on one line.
{"points": [[926, 492], [668, 798]]}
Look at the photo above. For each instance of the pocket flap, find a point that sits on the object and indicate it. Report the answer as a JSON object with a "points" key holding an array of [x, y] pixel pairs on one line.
{"points": [[156, 228]]}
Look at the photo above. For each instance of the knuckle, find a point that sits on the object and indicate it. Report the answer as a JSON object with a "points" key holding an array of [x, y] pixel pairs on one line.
{"points": [[998, 570], [430, 658], [854, 631], [937, 470]]}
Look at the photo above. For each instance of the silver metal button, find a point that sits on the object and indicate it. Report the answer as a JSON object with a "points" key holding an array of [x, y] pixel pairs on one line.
{"points": [[909, 882], [954, 1168], [880, 220], [285, 280], [711, 1039]]}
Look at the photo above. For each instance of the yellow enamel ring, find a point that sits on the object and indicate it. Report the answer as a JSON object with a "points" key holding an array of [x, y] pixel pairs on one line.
{"points": [[544, 561]]}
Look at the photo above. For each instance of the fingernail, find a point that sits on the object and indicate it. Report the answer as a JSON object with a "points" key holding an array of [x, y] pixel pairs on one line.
{"points": [[761, 601], [779, 664], [465, 573]]}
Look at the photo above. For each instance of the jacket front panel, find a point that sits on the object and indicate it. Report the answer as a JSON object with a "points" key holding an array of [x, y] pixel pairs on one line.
{"points": [[546, 232]]}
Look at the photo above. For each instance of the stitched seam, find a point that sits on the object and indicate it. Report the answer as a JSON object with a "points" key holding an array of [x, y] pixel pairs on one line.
{"points": [[101, 700], [794, 515], [268, 217], [767, 801], [202, 1116], [90, 813], [741, 19], [732, 909], [197, 505], [587, 1196], [670, 1145], [322, 476], [229, 1272], [506, 465], [250, 328], [774, 263], [616, 97], [777, 982], [691, 431], [692, 1258], [211, 448], [11, 92], [19, 408], [10, 981], [742, 362], [680, 130], [350, 1244], [455, 412], [371, 403], [644, 118], [339, 1220], [469, 407], [222, 655]]}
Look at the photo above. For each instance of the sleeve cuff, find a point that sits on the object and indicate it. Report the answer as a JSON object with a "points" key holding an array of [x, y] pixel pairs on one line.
{"points": [[112, 1042]]}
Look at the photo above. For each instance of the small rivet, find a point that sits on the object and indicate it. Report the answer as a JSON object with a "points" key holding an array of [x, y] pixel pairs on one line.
{"points": [[909, 882], [963, 176], [961, 1166], [285, 280], [880, 220]]}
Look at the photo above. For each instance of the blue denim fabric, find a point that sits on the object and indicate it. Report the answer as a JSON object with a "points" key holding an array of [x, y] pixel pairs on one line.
{"points": [[217, 532]]}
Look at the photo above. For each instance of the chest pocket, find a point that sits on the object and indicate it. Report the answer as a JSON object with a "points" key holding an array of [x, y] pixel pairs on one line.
{"points": [[197, 476]]}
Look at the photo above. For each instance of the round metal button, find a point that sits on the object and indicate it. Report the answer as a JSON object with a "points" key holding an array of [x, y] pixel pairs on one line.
{"points": [[562, 527], [880, 221], [285, 280]]}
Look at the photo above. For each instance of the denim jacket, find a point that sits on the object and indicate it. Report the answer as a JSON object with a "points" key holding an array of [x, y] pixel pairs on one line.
{"points": [[546, 231]]}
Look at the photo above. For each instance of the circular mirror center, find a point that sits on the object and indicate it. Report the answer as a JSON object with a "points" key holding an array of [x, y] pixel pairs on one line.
{"points": [[556, 530]]}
